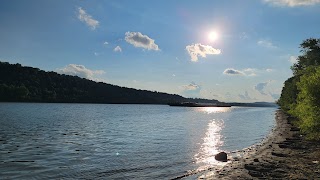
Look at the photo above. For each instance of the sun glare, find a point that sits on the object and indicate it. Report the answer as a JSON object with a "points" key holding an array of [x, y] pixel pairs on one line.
{"points": [[213, 36]]}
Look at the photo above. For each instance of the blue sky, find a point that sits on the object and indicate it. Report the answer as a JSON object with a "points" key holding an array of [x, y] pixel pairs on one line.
{"points": [[165, 45]]}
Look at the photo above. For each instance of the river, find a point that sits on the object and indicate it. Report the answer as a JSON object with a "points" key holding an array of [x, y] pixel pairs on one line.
{"points": [[105, 141]]}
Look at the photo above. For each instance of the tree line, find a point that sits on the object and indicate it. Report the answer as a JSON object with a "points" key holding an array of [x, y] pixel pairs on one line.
{"points": [[300, 95], [28, 84]]}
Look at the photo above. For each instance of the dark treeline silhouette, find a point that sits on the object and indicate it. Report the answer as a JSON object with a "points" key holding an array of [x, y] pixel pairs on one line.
{"points": [[27, 84], [300, 95], [254, 104]]}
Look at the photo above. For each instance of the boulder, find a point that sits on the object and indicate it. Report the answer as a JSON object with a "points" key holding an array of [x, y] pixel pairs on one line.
{"points": [[221, 156]]}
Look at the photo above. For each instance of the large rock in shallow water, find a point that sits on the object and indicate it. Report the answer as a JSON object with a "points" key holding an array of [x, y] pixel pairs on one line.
{"points": [[221, 156]]}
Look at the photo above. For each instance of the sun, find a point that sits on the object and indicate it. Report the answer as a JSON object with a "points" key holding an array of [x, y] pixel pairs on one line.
{"points": [[213, 36]]}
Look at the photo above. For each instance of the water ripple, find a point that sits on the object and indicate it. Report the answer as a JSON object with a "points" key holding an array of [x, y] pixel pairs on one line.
{"points": [[95, 141]]}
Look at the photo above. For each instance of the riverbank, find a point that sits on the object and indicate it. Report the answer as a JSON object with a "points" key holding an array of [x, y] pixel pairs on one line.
{"points": [[285, 154]]}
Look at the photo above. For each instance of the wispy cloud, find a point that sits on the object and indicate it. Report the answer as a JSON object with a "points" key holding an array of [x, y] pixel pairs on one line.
{"points": [[105, 43], [86, 18], [250, 72], [191, 87], [274, 96], [245, 96], [260, 87], [244, 35], [117, 49], [263, 90], [139, 40], [266, 43], [198, 49], [233, 72], [293, 3], [293, 59], [191, 90], [269, 70], [246, 72], [80, 71]]}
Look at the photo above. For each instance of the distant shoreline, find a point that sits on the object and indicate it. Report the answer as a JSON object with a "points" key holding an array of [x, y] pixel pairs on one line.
{"points": [[283, 154], [233, 105]]}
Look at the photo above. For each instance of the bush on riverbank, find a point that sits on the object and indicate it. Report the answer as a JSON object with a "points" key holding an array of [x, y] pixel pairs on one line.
{"points": [[300, 95]]}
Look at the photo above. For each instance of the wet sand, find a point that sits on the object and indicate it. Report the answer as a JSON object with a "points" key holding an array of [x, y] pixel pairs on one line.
{"points": [[284, 154]]}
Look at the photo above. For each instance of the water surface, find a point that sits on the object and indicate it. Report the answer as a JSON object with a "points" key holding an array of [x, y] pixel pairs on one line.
{"points": [[99, 141]]}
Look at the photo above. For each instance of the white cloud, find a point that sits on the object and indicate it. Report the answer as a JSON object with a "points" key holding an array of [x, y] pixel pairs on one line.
{"points": [[246, 72], [293, 59], [293, 3], [266, 43], [81, 71], [117, 49], [139, 40], [250, 72], [198, 49], [260, 87], [191, 90], [86, 18], [105, 43], [191, 87], [232, 72]]}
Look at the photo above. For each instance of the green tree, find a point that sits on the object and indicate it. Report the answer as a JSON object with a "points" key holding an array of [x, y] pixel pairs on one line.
{"points": [[300, 95], [289, 94], [22, 92], [19, 83], [307, 108], [310, 57]]}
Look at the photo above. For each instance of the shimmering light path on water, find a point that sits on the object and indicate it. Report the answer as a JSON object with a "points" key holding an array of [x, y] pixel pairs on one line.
{"points": [[93, 141]]}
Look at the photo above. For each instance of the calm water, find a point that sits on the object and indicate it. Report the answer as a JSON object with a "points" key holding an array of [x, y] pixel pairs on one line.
{"points": [[98, 141]]}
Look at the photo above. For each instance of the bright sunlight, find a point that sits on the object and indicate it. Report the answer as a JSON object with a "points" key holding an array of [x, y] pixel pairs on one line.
{"points": [[213, 36]]}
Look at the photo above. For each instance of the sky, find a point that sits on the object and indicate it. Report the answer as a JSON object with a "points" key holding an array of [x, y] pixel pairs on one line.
{"points": [[232, 51]]}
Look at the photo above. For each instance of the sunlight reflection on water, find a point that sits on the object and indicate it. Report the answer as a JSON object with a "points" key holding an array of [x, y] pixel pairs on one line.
{"points": [[212, 142], [210, 110]]}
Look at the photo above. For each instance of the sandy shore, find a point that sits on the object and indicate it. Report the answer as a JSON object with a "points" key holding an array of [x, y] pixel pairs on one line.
{"points": [[285, 154]]}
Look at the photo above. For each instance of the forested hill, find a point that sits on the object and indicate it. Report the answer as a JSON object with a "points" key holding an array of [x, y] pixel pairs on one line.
{"points": [[27, 84], [300, 95]]}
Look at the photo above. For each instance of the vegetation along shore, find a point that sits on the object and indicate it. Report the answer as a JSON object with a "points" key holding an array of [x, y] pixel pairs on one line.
{"points": [[27, 84]]}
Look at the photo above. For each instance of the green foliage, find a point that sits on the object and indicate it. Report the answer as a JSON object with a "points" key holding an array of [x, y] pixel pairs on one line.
{"points": [[289, 94], [300, 95], [16, 93], [18, 83], [308, 102], [311, 53]]}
